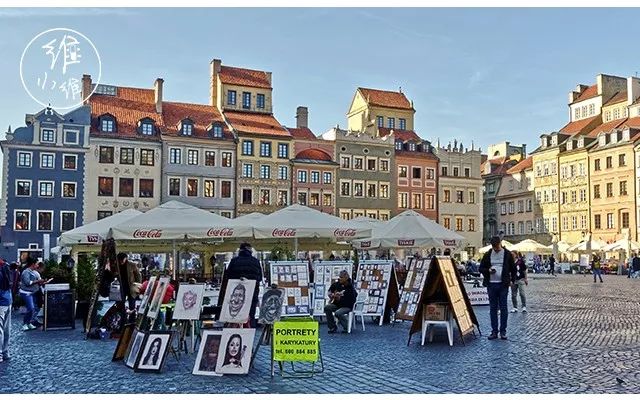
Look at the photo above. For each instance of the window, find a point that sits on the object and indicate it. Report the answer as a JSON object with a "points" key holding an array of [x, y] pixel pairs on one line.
{"points": [[530, 204], [247, 147], [315, 176], [327, 178], [609, 162], [105, 186], [231, 97], [265, 172], [69, 161], [416, 173], [187, 129], [391, 122], [175, 156], [412, 147], [458, 224], [609, 189], [447, 196], [574, 196], [227, 159], [147, 157], [472, 197], [225, 189], [384, 190], [24, 159], [467, 172], [146, 128], [302, 198], [403, 200], [217, 131], [583, 195], [416, 201], [104, 214], [45, 189], [146, 188], [503, 209], [358, 163], [554, 195], [610, 221], [576, 113], [597, 223], [265, 197], [446, 222], [265, 149], [45, 220], [283, 150], [520, 206], [302, 176], [623, 188], [126, 155], [47, 160], [384, 165], [430, 202], [226, 214], [192, 156], [372, 189], [512, 208], [345, 188], [69, 190], [455, 171], [358, 189], [459, 196], [48, 136], [283, 198], [314, 199], [345, 162], [246, 100], [380, 121], [592, 109], [616, 113], [71, 137], [472, 225], [403, 123], [174, 186], [283, 173], [596, 191], [209, 188], [398, 145], [21, 219], [210, 158], [107, 125], [67, 220], [192, 187], [126, 187], [596, 165], [621, 160], [260, 101], [345, 215], [625, 220], [371, 164], [23, 188], [327, 200]]}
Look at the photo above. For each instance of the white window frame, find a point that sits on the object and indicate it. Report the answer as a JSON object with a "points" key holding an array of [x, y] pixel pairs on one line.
{"points": [[204, 188], [75, 219], [364, 189], [178, 151], [381, 161], [350, 182], [169, 178], [75, 190], [15, 211], [38, 220], [380, 186], [48, 154], [243, 173], [353, 165], [76, 162], [53, 189], [267, 168], [326, 174], [231, 187], [189, 153], [30, 153], [30, 187], [186, 186], [282, 168], [64, 136], [42, 135]]}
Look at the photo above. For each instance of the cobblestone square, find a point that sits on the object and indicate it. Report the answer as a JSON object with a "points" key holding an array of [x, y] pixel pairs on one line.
{"points": [[577, 337]]}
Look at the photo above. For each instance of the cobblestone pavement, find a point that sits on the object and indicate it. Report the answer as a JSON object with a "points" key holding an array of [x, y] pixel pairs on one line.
{"points": [[577, 337]]}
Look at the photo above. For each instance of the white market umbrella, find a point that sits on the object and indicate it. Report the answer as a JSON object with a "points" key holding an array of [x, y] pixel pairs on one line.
{"points": [[587, 246], [95, 232], [562, 246], [622, 244], [529, 246], [505, 243], [248, 218], [368, 222], [410, 230]]}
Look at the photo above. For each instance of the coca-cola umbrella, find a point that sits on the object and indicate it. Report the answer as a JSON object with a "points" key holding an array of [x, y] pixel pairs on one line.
{"points": [[410, 230], [95, 232]]}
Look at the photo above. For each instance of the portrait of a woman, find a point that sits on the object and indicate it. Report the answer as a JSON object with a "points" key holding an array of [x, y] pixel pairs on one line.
{"points": [[233, 354], [153, 354]]}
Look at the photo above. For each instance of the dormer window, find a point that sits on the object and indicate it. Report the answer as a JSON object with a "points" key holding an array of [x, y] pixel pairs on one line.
{"points": [[216, 131], [146, 127], [626, 135], [543, 141], [581, 142], [412, 147], [602, 140], [554, 140], [187, 127], [107, 124], [398, 145]]}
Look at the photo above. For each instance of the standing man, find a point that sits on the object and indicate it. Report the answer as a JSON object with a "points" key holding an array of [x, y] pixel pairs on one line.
{"points": [[342, 297], [499, 272], [244, 265], [130, 280], [596, 267], [552, 265], [6, 299], [520, 283]]}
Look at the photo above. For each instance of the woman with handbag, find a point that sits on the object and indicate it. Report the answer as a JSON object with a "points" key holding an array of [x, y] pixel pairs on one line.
{"points": [[30, 282]]}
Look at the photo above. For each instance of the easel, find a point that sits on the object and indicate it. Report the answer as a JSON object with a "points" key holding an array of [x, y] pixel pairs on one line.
{"points": [[266, 337], [107, 255], [183, 327]]}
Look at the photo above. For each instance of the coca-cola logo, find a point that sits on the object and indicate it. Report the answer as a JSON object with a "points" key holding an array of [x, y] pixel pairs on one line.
{"points": [[147, 233], [93, 238], [344, 232], [221, 232], [365, 244], [289, 232], [449, 242], [406, 242]]}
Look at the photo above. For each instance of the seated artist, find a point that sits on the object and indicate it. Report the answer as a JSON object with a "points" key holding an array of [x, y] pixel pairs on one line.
{"points": [[342, 297]]}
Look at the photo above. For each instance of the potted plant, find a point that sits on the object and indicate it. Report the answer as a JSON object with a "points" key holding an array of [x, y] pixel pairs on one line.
{"points": [[85, 285]]}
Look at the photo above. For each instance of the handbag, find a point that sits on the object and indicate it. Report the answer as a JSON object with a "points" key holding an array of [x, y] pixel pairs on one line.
{"points": [[114, 291]]}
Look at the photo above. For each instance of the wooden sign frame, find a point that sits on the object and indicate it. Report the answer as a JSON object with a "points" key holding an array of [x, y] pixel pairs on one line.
{"points": [[389, 294]]}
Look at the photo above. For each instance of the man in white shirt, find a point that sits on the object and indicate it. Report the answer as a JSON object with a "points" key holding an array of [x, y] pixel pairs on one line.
{"points": [[499, 272]]}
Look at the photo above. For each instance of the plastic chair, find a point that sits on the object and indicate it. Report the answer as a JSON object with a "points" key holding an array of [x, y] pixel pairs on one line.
{"points": [[358, 311], [448, 323]]}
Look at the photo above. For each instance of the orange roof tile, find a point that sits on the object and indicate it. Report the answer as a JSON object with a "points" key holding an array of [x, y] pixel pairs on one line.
{"points": [[313, 154], [400, 154], [244, 77], [632, 123], [606, 127], [202, 116], [581, 126], [403, 135], [527, 163], [261, 124], [619, 97], [302, 133], [384, 98], [588, 93]]}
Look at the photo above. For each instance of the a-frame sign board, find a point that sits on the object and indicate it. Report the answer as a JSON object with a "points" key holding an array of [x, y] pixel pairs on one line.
{"points": [[378, 279], [444, 285]]}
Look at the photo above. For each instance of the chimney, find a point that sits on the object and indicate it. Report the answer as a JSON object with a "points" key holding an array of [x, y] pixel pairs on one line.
{"points": [[87, 87], [269, 78], [524, 150], [576, 93], [633, 89], [302, 117], [157, 86], [215, 68]]}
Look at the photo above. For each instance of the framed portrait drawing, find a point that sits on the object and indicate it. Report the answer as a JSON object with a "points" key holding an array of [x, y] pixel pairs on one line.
{"points": [[237, 301], [134, 348], [271, 306], [158, 295], [188, 302], [153, 351], [123, 342], [148, 294], [235, 351], [207, 358]]}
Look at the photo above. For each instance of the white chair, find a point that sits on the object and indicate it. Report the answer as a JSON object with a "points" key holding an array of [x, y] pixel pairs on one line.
{"points": [[358, 311], [426, 324]]}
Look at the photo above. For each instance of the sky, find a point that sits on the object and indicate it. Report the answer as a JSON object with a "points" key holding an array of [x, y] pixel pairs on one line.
{"points": [[481, 75]]}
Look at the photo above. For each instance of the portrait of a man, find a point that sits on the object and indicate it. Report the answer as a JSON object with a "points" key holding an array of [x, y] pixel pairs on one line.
{"points": [[237, 301]]}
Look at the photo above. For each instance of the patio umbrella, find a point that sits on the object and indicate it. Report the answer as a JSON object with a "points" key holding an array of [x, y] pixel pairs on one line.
{"points": [[562, 246], [249, 218], [587, 246], [529, 246], [410, 230], [625, 244], [505, 243], [95, 232]]}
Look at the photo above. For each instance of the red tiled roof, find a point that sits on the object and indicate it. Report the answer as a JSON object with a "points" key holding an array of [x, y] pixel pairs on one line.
{"points": [[244, 77], [202, 116], [588, 93], [313, 154], [581, 126], [386, 98], [415, 154], [527, 163], [302, 133], [617, 98], [499, 165], [261, 124], [403, 135], [632, 122], [606, 127]]}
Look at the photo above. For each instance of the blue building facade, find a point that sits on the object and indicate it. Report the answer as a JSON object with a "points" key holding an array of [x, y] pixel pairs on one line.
{"points": [[43, 179]]}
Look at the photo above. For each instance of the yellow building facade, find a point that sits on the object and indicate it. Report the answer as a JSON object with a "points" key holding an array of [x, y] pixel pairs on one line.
{"points": [[574, 190], [545, 178], [372, 108]]}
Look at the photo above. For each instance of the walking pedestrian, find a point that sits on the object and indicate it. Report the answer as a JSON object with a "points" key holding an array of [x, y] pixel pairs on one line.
{"points": [[596, 267], [244, 265], [635, 265], [30, 282], [6, 299], [499, 271], [552, 265], [14, 275], [519, 284]]}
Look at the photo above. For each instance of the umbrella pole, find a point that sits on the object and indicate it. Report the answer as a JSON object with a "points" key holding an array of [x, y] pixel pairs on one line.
{"points": [[295, 248], [175, 259]]}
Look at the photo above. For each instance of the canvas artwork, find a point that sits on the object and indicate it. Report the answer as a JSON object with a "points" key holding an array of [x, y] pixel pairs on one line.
{"points": [[189, 302], [134, 348], [154, 351], [236, 347], [237, 301], [271, 306], [148, 293], [207, 358], [156, 302], [123, 343]]}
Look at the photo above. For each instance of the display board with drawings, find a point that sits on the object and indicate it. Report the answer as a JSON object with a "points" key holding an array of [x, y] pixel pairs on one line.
{"points": [[375, 277], [293, 278], [410, 298], [324, 274]]}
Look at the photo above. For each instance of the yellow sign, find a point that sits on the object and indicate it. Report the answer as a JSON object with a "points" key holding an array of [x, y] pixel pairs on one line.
{"points": [[455, 294], [296, 339]]}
